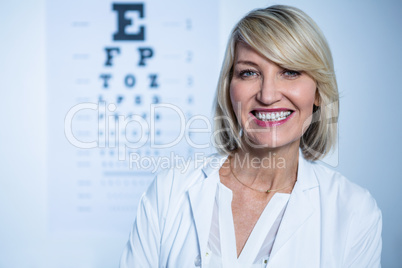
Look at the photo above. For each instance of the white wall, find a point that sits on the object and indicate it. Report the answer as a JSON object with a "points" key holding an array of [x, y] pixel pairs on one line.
{"points": [[365, 39], [23, 133]]}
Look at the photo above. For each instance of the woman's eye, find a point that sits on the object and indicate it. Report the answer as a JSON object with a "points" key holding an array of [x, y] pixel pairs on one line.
{"points": [[291, 74], [247, 73]]}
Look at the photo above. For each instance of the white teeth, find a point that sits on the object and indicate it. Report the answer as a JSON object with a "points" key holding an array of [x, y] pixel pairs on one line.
{"points": [[272, 116]]}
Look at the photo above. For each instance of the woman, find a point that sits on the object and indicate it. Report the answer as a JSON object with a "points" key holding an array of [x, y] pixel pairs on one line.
{"points": [[263, 202]]}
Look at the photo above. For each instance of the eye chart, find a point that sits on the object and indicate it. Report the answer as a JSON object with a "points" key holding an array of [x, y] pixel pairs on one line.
{"points": [[126, 81]]}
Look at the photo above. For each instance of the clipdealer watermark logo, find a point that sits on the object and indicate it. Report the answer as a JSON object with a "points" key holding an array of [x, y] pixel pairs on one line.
{"points": [[147, 129], [148, 138]]}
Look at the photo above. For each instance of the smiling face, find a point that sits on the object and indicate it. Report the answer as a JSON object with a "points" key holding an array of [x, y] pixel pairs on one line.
{"points": [[274, 105]]}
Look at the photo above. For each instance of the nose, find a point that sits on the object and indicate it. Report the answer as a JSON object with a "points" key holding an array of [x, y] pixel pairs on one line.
{"points": [[270, 92]]}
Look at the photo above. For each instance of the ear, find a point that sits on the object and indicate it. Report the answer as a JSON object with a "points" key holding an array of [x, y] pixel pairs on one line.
{"points": [[317, 100]]}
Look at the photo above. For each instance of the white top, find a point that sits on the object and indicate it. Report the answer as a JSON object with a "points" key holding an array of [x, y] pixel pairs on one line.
{"points": [[258, 247]]}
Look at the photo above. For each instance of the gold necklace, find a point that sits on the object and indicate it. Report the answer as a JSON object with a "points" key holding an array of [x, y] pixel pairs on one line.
{"points": [[261, 191]]}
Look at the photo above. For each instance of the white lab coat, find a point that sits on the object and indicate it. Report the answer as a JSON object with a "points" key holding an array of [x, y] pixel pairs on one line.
{"points": [[329, 221]]}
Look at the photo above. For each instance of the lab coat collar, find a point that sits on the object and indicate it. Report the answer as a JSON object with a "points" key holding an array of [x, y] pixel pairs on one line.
{"points": [[298, 211], [202, 196], [213, 164]]}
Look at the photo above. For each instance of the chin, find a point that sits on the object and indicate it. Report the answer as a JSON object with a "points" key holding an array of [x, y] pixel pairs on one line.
{"points": [[268, 142], [259, 144]]}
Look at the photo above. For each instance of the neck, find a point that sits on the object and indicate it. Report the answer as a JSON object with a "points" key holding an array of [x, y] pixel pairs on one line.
{"points": [[267, 168]]}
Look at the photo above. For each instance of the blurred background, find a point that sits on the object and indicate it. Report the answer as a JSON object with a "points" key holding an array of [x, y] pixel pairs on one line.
{"points": [[62, 205]]}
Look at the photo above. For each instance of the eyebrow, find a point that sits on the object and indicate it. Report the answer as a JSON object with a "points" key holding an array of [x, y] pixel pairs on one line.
{"points": [[247, 63]]}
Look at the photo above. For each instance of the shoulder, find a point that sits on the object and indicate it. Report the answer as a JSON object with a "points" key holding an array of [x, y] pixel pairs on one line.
{"points": [[351, 212], [186, 172], [337, 191], [172, 184]]}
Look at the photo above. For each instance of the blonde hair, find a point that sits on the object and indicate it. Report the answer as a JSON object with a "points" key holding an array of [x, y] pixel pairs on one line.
{"points": [[291, 39]]}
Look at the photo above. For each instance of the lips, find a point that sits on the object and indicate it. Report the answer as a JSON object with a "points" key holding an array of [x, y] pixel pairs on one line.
{"points": [[271, 117]]}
